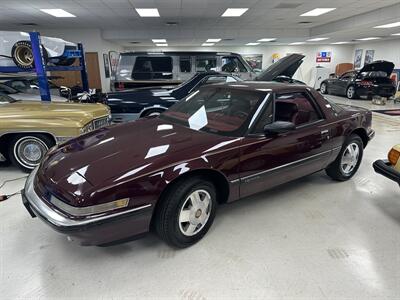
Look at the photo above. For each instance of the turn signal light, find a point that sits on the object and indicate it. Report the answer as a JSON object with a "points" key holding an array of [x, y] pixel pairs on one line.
{"points": [[394, 156]]}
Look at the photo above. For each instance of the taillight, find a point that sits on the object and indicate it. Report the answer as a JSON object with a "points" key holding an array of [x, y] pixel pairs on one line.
{"points": [[394, 156], [366, 83]]}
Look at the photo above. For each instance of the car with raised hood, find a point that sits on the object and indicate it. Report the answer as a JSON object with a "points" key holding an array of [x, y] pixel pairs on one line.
{"points": [[372, 80], [16, 50], [29, 128], [390, 167], [130, 105], [221, 143]]}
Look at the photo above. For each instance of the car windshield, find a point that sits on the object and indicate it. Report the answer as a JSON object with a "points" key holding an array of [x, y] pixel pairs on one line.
{"points": [[6, 99], [215, 109], [4, 89]]}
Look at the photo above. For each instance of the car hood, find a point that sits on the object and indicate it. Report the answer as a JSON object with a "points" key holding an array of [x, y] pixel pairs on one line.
{"points": [[139, 95], [34, 97], [380, 65], [286, 66], [82, 113], [120, 153]]}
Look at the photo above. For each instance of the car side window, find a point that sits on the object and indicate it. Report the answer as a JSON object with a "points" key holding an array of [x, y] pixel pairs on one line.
{"points": [[266, 117], [185, 64], [232, 64], [296, 108]]}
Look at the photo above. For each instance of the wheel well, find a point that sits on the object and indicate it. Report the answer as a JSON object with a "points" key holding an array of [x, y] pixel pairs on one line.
{"points": [[151, 108], [362, 133], [6, 139]]}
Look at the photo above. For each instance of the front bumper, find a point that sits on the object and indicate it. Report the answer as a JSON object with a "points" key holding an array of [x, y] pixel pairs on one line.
{"points": [[384, 168], [98, 230]]}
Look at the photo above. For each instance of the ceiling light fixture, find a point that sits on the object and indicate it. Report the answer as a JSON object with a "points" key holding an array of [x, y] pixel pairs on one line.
{"points": [[318, 39], [395, 33], [266, 40], [234, 12], [159, 41], [317, 12], [58, 13], [162, 45], [207, 44], [390, 25], [148, 12], [252, 44], [297, 43], [369, 38], [339, 43], [213, 40]]}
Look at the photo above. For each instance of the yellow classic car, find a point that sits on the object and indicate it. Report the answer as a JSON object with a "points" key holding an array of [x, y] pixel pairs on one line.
{"points": [[390, 168], [29, 128]]}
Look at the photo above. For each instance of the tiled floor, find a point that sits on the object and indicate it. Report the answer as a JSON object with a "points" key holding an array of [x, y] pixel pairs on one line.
{"points": [[310, 239]]}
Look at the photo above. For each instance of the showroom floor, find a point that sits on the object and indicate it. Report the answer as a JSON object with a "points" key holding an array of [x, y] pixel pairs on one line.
{"points": [[310, 239]]}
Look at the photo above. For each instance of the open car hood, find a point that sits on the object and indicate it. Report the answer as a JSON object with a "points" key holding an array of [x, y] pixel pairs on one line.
{"points": [[286, 66], [379, 65]]}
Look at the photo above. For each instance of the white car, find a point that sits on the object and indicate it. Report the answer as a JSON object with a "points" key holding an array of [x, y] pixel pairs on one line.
{"points": [[16, 95], [16, 49]]}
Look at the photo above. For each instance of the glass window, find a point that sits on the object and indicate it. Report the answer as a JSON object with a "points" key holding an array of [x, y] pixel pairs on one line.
{"points": [[219, 79], [148, 67], [185, 64], [205, 64], [232, 64], [266, 117], [215, 109], [296, 108]]}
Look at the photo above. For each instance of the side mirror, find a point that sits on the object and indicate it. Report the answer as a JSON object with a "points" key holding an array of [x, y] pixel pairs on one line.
{"points": [[279, 127]]}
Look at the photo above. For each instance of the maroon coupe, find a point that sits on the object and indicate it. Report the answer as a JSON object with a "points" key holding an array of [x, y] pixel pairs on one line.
{"points": [[221, 143]]}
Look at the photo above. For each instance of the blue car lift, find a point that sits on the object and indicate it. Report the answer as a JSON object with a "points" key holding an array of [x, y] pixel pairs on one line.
{"points": [[41, 68]]}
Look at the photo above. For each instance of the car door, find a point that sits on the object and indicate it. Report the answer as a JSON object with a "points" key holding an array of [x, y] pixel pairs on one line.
{"points": [[267, 161], [342, 83]]}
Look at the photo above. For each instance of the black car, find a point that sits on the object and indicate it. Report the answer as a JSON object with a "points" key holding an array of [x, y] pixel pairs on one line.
{"points": [[372, 80], [143, 102]]}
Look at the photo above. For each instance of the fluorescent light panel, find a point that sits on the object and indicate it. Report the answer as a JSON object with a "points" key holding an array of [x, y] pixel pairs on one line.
{"points": [[369, 38], [148, 12], [297, 43], [252, 44], [395, 33], [213, 40], [58, 12], [390, 25], [207, 44], [317, 39], [266, 40], [234, 12], [339, 43], [162, 45], [317, 12], [159, 41]]}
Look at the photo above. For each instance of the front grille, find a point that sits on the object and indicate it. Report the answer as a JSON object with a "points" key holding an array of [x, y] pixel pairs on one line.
{"points": [[98, 123]]}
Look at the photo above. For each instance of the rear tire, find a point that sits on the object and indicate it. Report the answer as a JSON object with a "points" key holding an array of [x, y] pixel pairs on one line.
{"points": [[351, 92], [323, 88], [348, 161], [27, 151], [186, 212]]}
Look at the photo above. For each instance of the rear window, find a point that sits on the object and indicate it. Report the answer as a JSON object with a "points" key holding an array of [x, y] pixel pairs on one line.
{"points": [[185, 64], [373, 74], [147, 67]]}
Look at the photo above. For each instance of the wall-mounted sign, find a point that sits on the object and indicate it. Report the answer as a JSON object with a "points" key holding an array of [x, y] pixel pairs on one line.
{"points": [[358, 58], [324, 57], [369, 57], [275, 57]]}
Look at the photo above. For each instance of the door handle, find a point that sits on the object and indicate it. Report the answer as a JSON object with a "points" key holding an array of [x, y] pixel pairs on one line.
{"points": [[325, 133]]}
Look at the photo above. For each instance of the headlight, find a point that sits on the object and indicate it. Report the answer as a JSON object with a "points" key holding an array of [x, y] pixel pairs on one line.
{"points": [[394, 155]]}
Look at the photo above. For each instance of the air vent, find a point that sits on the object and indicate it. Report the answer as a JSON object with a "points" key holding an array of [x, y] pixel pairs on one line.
{"points": [[134, 42], [228, 39], [28, 24], [305, 22], [287, 5], [171, 23]]}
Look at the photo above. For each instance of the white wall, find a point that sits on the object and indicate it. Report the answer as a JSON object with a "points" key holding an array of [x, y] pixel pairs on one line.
{"points": [[340, 54], [92, 42], [384, 50]]}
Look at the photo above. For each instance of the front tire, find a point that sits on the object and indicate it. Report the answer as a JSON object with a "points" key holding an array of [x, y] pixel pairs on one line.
{"points": [[323, 88], [186, 212], [348, 160], [27, 151], [351, 92]]}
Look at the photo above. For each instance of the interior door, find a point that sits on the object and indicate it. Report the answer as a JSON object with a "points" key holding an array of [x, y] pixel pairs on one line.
{"points": [[267, 161]]}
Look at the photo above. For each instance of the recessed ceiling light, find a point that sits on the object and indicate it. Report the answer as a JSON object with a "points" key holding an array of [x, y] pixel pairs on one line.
{"points": [[148, 12], [390, 25], [58, 12], [318, 39], [213, 40], [395, 33], [159, 41], [266, 40], [234, 12], [162, 45], [297, 43], [369, 38], [207, 44], [252, 44], [317, 12], [339, 43]]}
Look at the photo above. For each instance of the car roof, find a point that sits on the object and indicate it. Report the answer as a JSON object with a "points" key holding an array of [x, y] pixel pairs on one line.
{"points": [[264, 86]]}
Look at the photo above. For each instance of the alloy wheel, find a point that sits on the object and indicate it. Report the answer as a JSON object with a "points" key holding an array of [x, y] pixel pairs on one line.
{"points": [[29, 151], [350, 92], [350, 158]]}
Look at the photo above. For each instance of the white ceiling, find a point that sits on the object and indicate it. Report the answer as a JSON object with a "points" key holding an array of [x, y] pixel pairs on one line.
{"points": [[200, 19]]}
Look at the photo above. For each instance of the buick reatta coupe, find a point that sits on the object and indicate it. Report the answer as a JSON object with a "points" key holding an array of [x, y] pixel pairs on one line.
{"points": [[221, 143]]}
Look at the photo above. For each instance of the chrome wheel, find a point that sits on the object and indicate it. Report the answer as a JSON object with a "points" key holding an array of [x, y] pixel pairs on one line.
{"points": [[323, 88], [195, 212], [350, 158], [23, 55], [350, 92], [29, 151]]}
